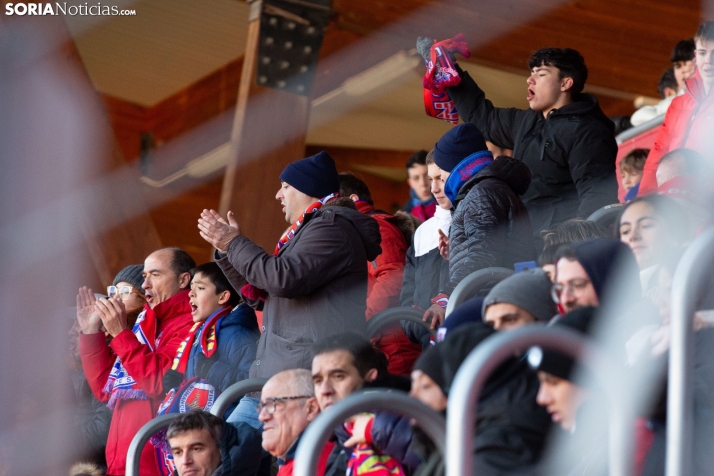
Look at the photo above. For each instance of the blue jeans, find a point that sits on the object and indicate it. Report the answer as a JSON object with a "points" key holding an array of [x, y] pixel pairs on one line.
{"points": [[247, 412]]}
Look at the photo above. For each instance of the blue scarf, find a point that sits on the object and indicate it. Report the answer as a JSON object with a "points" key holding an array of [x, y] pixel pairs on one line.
{"points": [[464, 170]]}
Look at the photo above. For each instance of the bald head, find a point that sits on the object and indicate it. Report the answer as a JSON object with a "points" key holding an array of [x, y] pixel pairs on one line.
{"points": [[166, 272]]}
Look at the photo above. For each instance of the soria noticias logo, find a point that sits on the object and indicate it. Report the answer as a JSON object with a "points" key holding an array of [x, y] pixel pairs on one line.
{"points": [[61, 8]]}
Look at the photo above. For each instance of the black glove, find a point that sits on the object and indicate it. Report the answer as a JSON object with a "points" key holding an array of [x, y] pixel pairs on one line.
{"points": [[204, 364], [171, 379]]}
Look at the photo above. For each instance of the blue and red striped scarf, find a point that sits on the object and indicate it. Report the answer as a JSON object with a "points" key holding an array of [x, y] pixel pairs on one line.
{"points": [[120, 385]]}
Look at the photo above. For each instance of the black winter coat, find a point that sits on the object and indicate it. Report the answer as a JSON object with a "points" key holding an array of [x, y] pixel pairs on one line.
{"points": [[424, 277], [511, 428], [571, 154], [490, 225]]}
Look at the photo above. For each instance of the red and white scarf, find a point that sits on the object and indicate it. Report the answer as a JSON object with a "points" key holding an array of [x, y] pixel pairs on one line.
{"points": [[120, 385], [251, 292], [440, 74], [209, 340]]}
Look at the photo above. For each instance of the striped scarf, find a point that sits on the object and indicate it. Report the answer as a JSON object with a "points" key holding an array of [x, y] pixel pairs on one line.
{"points": [[251, 292], [120, 385]]}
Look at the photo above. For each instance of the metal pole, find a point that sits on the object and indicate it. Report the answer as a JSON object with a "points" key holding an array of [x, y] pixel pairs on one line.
{"points": [[487, 357], [133, 456], [234, 392], [689, 278], [474, 282], [317, 433], [397, 314]]}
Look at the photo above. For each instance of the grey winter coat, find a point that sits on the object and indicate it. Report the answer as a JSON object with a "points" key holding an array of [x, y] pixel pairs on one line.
{"points": [[490, 225], [316, 286]]}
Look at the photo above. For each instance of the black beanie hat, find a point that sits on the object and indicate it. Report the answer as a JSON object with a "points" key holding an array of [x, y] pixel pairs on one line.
{"points": [[457, 144], [442, 361], [600, 257], [553, 362], [314, 176], [132, 275]]}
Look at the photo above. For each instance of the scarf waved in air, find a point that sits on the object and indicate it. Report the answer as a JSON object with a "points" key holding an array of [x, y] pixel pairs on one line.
{"points": [[441, 73], [251, 292]]}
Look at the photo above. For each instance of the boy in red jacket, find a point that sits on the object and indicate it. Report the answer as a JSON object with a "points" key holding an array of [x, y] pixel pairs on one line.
{"points": [[690, 119]]}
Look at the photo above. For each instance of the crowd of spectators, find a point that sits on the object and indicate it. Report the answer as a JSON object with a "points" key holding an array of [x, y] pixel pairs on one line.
{"points": [[170, 336]]}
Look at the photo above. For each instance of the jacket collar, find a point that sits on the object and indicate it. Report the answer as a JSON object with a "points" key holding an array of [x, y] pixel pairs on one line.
{"points": [[695, 87], [175, 306], [290, 455]]}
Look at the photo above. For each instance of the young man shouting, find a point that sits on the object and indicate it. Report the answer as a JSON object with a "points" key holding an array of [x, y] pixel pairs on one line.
{"points": [[564, 138]]}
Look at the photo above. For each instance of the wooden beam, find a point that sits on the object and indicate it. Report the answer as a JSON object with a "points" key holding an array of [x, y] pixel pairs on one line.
{"points": [[269, 132]]}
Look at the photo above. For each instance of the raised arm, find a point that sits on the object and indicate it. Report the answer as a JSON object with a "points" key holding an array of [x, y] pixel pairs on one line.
{"points": [[497, 125]]}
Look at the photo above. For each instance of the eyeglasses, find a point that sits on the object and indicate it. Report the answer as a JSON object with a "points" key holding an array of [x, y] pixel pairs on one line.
{"points": [[123, 291], [574, 285], [270, 404]]}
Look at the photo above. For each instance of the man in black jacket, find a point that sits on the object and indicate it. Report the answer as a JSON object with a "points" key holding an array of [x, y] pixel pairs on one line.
{"points": [[564, 138], [490, 225], [203, 445]]}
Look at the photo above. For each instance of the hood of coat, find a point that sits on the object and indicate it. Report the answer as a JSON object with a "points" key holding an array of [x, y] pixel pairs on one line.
{"points": [[507, 169], [243, 315], [366, 226], [585, 105]]}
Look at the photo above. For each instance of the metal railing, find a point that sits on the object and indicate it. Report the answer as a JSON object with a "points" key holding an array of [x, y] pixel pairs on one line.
{"points": [[318, 432], [689, 279], [397, 314], [488, 356], [230, 395], [633, 132], [468, 286], [133, 456], [234, 392]]}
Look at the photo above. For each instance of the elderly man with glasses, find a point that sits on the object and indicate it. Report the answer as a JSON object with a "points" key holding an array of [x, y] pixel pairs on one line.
{"points": [[287, 406]]}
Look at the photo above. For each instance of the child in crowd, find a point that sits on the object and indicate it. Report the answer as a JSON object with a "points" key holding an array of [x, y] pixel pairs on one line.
{"points": [[222, 343], [668, 90], [631, 169], [683, 62], [218, 352]]}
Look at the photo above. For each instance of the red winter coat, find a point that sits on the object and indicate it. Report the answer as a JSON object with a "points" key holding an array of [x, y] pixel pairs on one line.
{"points": [[174, 320], [384, 285], [689, 123]]}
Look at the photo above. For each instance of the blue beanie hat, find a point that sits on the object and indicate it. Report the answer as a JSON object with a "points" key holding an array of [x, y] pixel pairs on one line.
{"points": [[314, 176], [457, 144]]}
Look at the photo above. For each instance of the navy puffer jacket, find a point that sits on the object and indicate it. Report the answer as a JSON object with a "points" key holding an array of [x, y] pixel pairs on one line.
{"points": [[490, 226]]}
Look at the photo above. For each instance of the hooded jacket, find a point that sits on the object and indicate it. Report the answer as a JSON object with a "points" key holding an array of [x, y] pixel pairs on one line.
{"points": [[510, 425], [316, 286], [688, 123], [237, 337], [490, 225], [173, 321], [240, 444], [571, 154], [384, 283]]}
